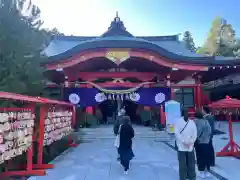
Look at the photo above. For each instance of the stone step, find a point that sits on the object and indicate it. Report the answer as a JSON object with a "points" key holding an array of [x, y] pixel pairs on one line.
{"points": [[106, 132], [112, 137], [136, 138], [89, 137], [111, 132]]}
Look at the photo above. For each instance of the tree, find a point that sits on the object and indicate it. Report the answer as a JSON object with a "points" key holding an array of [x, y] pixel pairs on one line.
{"points": [[56, 32], [188, 40], [21, 43], [221, 40]]}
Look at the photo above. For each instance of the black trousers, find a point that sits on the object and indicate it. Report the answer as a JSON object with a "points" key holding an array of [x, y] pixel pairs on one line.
{"points": [[126, 155], [186, 165], [203, 156], [125, 163], [212, 153]]}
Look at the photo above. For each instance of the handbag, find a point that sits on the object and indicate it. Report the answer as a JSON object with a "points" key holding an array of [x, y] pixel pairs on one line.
{"points": [[176, 147], [117, 140]]}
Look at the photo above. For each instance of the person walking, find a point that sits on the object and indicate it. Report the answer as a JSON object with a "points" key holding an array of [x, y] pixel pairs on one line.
{"points": [[116, 128], [204, 134], [186, 133], [211, 120], [125, 145]]}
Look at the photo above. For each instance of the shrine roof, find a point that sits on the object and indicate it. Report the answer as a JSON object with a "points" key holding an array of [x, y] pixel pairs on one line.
{"points": [[226, 103], [170, 47]]}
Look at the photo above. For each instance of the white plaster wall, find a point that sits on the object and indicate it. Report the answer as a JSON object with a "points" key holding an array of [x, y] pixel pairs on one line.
{"points": [[188, 80]]}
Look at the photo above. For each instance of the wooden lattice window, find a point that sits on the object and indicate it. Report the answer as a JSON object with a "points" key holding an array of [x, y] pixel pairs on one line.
{"points": [[185, 96]]}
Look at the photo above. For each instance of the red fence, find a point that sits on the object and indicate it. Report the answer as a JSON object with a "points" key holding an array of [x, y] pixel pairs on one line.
{"points": [[56, 121]]}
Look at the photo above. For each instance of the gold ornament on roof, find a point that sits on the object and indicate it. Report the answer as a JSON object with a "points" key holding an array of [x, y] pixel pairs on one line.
{"points": [[117, 56]]}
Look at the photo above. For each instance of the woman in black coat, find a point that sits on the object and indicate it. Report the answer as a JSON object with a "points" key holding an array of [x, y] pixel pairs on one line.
{"points": [[117, 125], [125, 148], [211, 120], [116, 131]]}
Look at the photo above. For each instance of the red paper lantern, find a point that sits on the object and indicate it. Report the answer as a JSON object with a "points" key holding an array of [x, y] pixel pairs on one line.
{"points": [[228, 97]]}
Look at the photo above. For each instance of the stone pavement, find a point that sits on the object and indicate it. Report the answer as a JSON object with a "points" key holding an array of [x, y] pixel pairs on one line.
{"points": [[97, 161], [156, 160]]}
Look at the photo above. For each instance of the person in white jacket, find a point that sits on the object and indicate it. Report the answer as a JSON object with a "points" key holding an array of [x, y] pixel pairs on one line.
{"points": [[186, 134]]}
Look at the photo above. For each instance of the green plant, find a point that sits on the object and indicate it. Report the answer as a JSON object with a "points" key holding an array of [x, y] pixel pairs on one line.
{"points": [[91, 120], [98, 114], [145, 116]]}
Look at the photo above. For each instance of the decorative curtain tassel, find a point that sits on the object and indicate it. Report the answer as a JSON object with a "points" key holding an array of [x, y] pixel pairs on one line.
{"points": [[118, 97], [121, 97]]}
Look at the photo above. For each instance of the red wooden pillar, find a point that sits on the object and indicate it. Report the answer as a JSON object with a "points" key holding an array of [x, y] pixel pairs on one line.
{"points": [[40, 165], [89, 109], [41, 136], [162, 116], [195, 96], [74, 116], [199, 92], [199, 95], [70, 139], [147, 107]]}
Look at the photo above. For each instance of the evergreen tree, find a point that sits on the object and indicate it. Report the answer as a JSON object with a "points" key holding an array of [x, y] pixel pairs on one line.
{"points": [[221, 40], [21, 43], [188, 40]]}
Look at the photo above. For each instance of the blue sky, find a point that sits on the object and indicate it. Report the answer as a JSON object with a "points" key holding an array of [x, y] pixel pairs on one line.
{"points": [[141, 17]]}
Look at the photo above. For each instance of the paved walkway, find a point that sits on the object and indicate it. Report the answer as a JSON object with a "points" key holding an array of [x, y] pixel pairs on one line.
{"points": [[97, 161], [155, 160]]}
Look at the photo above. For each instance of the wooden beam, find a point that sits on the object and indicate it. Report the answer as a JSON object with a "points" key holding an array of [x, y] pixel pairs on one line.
{"points": [[144, 54], [130, 85], [105, 84], [87, 76], [184, 85], [118, 84]]}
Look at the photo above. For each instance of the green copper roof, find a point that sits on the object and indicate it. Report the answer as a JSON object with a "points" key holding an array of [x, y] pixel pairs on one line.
{"points": [[63, 47]]}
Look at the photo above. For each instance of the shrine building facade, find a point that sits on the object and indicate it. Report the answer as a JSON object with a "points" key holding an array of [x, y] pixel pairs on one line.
{"points": [[117, 65]]}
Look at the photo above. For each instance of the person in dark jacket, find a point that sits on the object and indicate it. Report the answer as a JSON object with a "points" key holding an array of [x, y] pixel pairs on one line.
{"points": [[118, 123], [204, 134], [211, 121], [125, 147]]}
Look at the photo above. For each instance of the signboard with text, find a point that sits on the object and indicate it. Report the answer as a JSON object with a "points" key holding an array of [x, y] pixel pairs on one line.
{"points": [[173, 112]]}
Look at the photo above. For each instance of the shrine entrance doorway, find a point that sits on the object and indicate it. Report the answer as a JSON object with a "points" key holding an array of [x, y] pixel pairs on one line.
{"points": [[109, 109], [131, 110]]}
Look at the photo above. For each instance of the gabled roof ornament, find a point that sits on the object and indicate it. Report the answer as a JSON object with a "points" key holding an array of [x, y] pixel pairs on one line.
{"points": [[117, 14], [117, 19], [117, 28]]}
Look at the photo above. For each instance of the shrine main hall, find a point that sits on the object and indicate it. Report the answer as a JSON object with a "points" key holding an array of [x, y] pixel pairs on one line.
{"points": [[141, 73]]}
